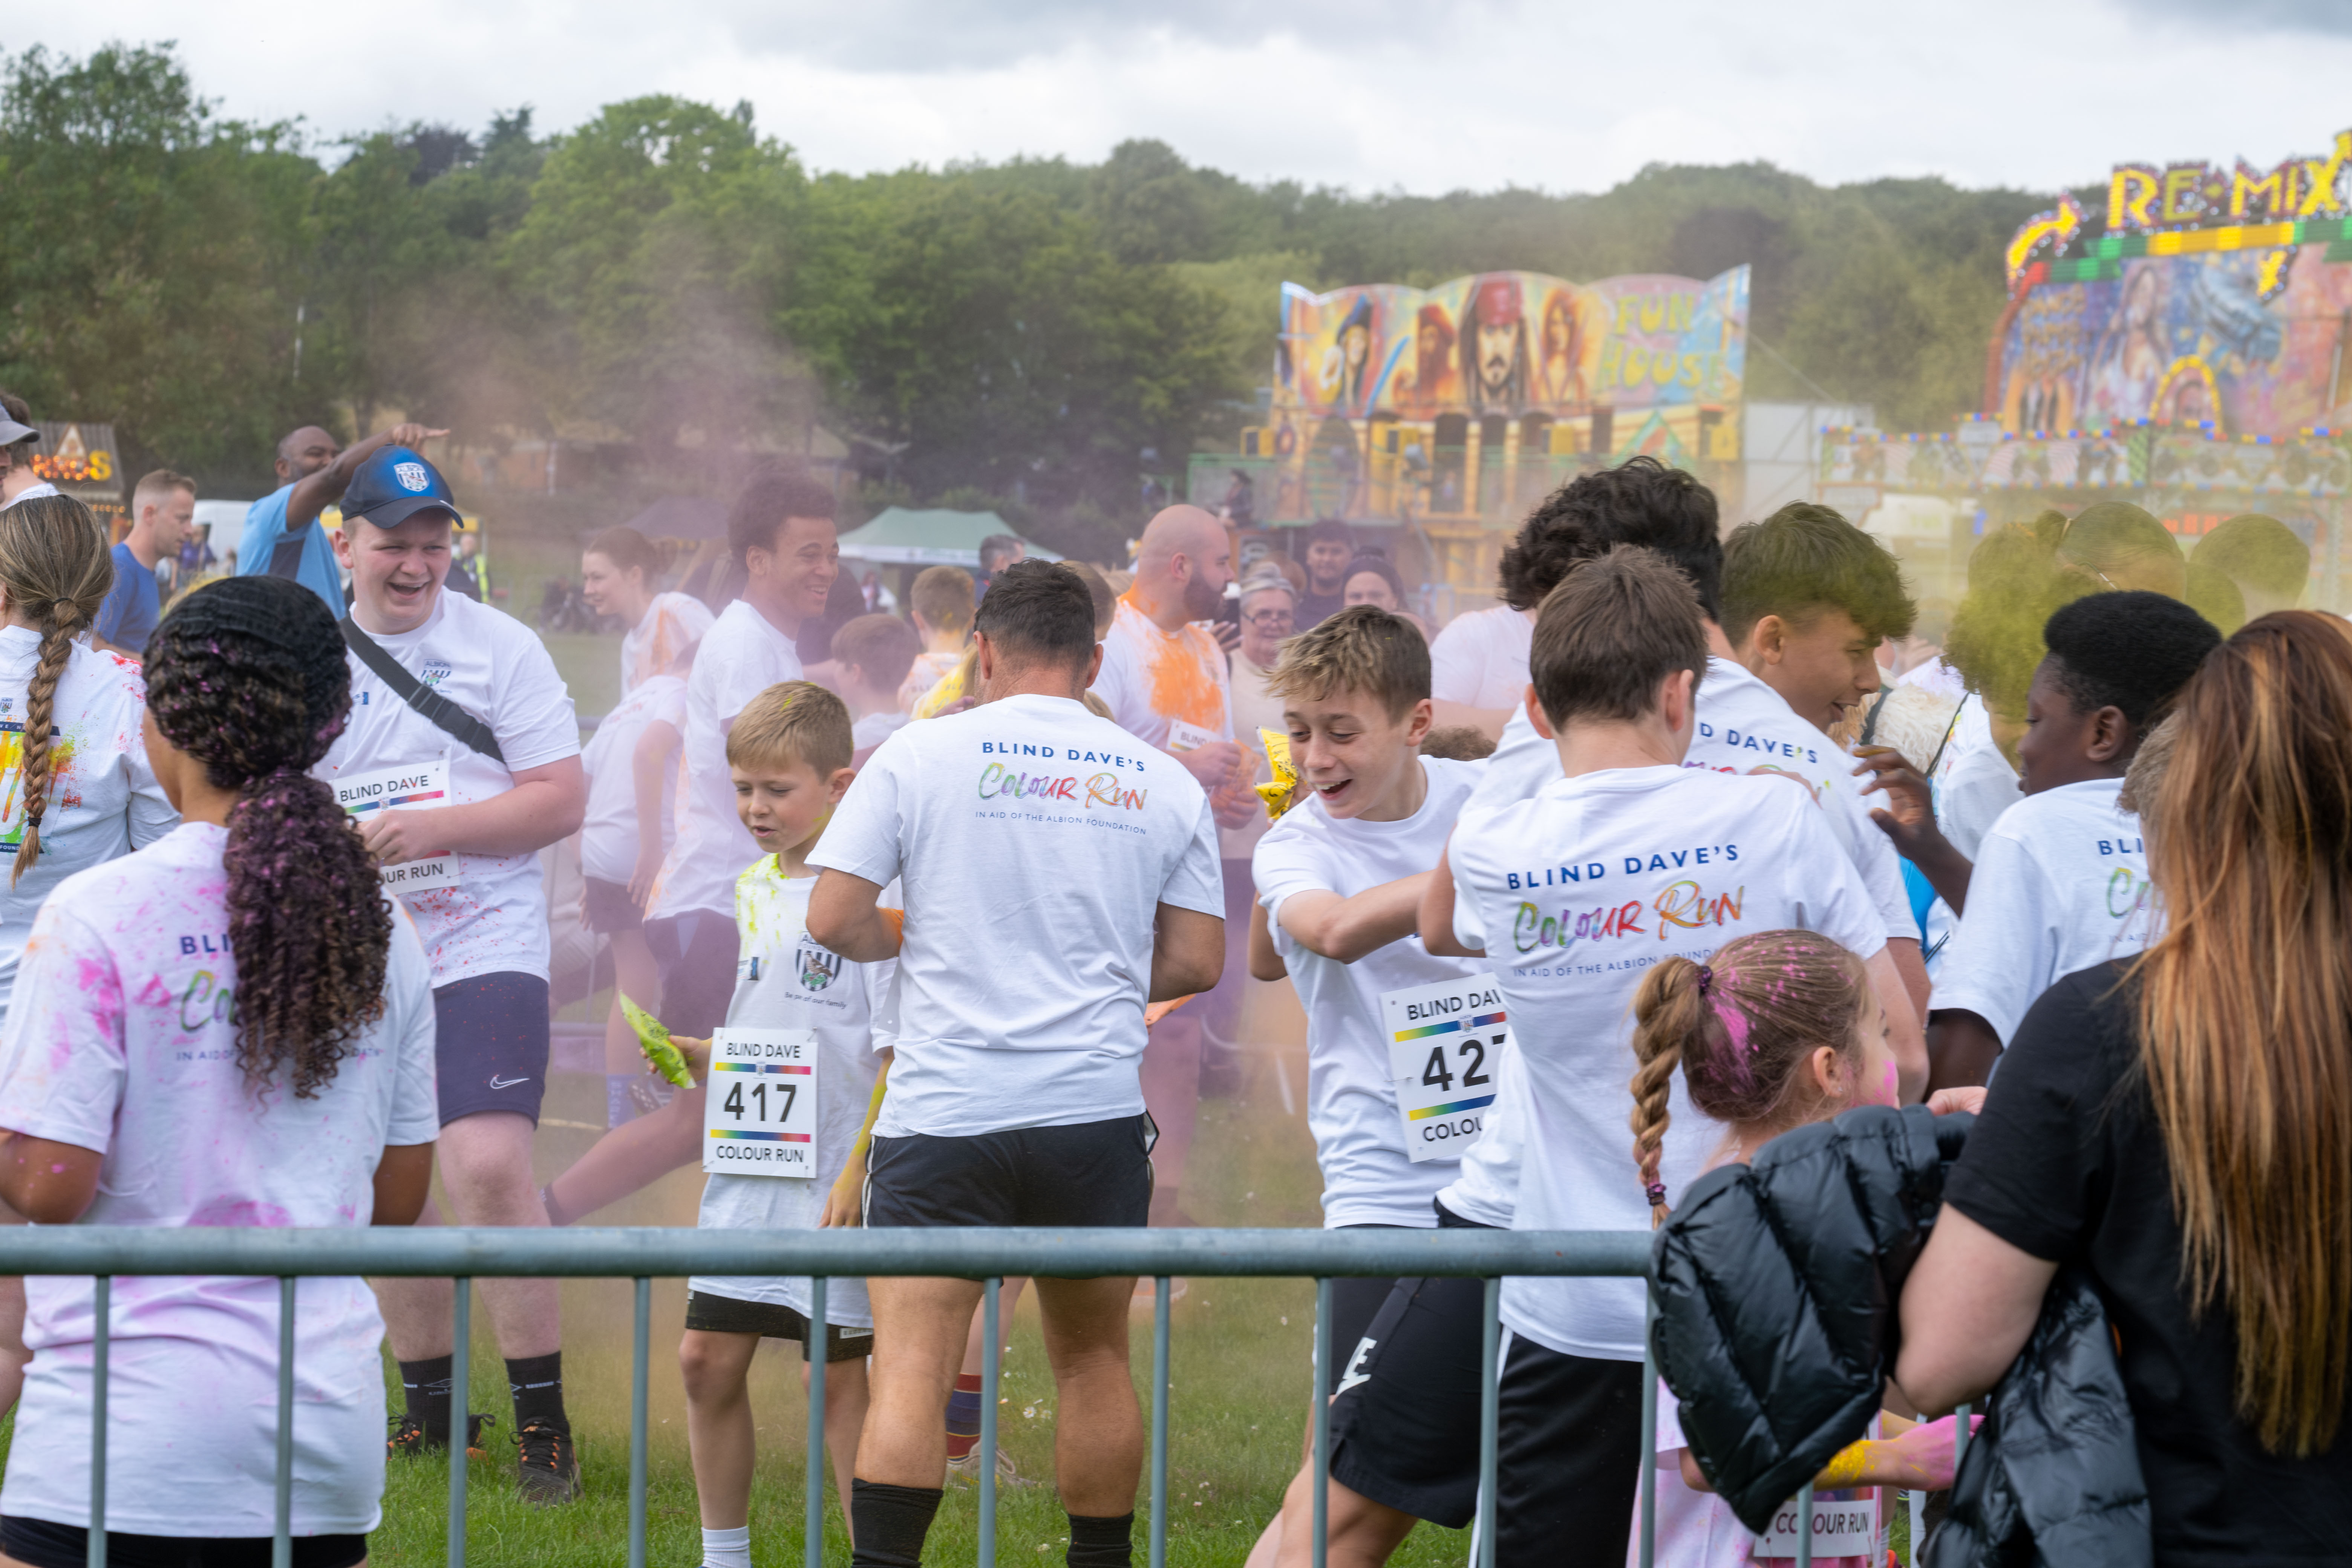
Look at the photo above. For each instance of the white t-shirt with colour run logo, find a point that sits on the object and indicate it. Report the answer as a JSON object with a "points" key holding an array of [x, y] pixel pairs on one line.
{"points": [[124, 1041], [673, 623], [608, 837], [784, 980], [1743, 726], [495, 669], [1351, 1103], [1034, 843], [2060, 885], [742, 655], [103, 799], [1574, 896]]}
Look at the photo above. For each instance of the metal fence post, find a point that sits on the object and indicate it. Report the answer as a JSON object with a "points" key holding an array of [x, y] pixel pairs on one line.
{"points": [[281, 1544], [991, 1348], [103, 1304], [1490, 1407], [813, 1517], [1160, 1422], [461, 1424], [1322, 1421], [640, 1352], [1915, 1502], [1649, 1511]]}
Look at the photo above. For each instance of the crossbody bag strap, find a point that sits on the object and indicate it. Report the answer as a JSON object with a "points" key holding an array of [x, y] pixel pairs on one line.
{"points": [[437, 710]]}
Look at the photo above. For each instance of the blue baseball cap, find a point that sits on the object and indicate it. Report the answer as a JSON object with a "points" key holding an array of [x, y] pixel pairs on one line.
{"points": [[394, 485]]}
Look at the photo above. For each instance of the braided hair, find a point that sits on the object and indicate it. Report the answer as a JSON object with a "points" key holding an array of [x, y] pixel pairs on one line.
{"points": [[55, 570], [1740, 1026], [247, 675]]}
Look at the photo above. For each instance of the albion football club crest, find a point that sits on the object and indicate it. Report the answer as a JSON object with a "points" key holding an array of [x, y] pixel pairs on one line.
{"points": [[818, 968], [413, 477]]}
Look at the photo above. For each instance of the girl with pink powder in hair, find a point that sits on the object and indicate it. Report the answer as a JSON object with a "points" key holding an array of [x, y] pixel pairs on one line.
{"points": [[1775, 1031]]}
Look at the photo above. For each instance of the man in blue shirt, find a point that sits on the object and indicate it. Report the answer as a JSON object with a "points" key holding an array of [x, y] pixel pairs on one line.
{"points": [[280, 537], [162, 506]]}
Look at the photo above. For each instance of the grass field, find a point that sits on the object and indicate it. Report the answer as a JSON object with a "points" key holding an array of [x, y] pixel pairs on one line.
{"points": [[1237, 1403]]}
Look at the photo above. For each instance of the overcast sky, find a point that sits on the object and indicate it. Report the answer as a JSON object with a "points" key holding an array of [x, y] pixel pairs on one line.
{"points": [[1425, 96]]}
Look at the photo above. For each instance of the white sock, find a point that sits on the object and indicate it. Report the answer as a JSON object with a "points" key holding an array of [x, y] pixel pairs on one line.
{"points": [[727, 1547]]}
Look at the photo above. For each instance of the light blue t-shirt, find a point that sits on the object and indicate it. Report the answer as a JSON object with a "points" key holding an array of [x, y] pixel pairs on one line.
{"points": [[310, 559], [132, 607]]}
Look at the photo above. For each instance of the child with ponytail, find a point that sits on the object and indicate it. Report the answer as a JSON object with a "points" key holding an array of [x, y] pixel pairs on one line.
{"points": [[1775, 1031], [231, 1026], [75, 787]]}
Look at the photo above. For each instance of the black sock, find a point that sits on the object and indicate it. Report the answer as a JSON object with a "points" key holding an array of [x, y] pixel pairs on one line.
{"points": [[1101, 1543], [537, 1383], [889, 1523], [425, 1384]]}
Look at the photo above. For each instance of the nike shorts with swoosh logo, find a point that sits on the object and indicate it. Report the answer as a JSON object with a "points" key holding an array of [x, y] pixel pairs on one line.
{"points": [[490, 1045]]}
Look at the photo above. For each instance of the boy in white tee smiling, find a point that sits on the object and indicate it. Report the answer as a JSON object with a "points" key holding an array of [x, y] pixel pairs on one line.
{"points": [[1629, 858], [1342, 875]]}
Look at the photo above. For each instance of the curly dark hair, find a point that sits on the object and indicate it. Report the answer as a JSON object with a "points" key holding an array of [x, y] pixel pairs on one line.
{"points": [[1640, 501], [2131, 651], [247, 675]]}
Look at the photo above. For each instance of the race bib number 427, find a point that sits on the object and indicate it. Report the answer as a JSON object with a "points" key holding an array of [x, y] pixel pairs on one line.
{"points": [[760, 1114], [1445, 1045]]}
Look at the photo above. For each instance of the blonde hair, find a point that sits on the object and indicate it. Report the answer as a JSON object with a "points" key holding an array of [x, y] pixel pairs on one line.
{"points": [[792, 722], [55, 570], [153, 486], [1361, 648], [1740, 1026], [2242, 1007], [942, 596]]}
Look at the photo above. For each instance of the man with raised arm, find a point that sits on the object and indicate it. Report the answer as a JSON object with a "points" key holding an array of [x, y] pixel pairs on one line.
{"points": [[1055, 876], [279, 538]]}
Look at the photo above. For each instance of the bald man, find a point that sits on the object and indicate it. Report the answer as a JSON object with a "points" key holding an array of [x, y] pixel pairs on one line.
{"points": [[280, 540], [1165, 679]]}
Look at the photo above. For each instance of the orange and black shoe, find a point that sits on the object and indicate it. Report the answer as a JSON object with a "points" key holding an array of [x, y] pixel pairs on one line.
{"points": [[547, 1465], [408, 1438]]}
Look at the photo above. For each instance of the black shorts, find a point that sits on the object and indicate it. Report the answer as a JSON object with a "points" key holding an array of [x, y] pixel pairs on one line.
{"points": [[696, 954], [709, 1314], [40, 1544], [1569, 1458], [490, 1045], [1404, 1428], [1090, 1174], [610, 909]]}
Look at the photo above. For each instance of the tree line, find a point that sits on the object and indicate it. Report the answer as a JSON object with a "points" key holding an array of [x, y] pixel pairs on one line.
{"points": [[1042, 334]]}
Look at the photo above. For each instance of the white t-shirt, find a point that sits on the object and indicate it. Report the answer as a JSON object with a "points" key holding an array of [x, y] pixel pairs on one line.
{"points": [[1481, 658], [1743, 726], [103, 799], [1034, 842], [495, 669], [1698, 1530], [784, 980], [673, 624], [742, 655], [43, 489], [123, 1040], [1974, 785], [2060, 884], [1152, 681], [1351, 1103], [875, 727], [1254, 708], [608, 836], [927, 670], [1574, 895], [1486, 1187]]}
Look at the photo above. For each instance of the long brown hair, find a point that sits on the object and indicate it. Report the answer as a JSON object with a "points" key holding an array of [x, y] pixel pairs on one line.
{"points": [[1741, 1027], [55, 570], [2245, 1011]]}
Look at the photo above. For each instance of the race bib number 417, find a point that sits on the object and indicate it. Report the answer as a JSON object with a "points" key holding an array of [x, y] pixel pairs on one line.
{"points": [[760, 1114], [1445, 1045]]}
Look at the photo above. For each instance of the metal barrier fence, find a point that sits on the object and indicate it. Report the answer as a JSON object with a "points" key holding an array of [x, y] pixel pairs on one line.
{"points": [[645, 1255]]}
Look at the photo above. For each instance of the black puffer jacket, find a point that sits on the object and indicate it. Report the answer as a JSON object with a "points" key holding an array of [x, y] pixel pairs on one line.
{"points": [[1777, 1287]]}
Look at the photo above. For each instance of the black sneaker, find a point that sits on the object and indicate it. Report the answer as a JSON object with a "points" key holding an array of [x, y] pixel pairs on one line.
{"points": [[547, 1465], [408, 1438]]}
